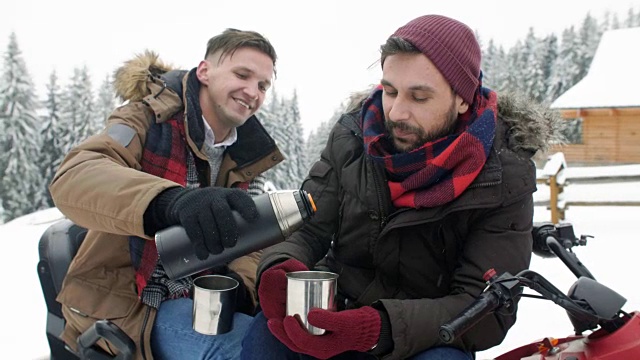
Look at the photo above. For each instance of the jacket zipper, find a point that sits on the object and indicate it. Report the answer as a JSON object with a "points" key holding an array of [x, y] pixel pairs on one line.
{"points": [[485, 184], [382, 215], [142, 331]]}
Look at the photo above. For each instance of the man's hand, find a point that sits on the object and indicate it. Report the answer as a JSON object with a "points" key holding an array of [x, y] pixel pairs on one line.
{"points": [[272, 291], [205, 214], [349, 330]]}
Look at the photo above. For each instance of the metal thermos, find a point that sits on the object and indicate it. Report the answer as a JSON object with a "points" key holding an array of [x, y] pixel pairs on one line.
{"points": [[281, 213]]}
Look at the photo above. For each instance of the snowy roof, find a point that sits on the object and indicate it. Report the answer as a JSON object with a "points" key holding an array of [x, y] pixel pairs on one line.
{"points": [[613, 76]]}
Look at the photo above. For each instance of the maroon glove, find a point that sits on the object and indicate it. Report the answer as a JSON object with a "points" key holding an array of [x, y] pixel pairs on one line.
{"points": [[347, 330], [272, 290]]}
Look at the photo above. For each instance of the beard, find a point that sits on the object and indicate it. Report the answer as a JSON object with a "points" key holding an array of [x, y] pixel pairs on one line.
{"points": [[422, 137]]}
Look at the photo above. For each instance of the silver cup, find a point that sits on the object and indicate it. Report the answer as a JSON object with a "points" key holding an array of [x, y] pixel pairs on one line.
{"points": [[214, 303], [310, 289]]}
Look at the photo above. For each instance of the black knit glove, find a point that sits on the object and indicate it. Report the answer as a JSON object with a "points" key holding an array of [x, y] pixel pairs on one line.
{"points": [[205, 214]]}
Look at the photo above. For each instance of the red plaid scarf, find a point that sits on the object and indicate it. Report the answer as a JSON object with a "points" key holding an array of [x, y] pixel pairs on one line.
{"points": [[164, 156], [438, 171]]}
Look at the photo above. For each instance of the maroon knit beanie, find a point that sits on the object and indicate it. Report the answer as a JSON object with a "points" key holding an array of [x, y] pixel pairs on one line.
{"points": [[452, 48]]}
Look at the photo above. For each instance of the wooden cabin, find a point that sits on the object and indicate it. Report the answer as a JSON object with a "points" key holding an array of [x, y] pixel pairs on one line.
{"points": [[604, 107]]}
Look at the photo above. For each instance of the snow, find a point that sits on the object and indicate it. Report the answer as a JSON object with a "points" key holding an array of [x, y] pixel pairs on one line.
{"points": [[611, 257], [612, 77]]}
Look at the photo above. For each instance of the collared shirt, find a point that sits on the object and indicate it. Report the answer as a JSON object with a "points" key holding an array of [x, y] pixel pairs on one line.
{"points": [[216, 151], [210, 137]]}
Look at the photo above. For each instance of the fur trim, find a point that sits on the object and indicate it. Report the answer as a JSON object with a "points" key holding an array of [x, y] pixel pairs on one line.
{"points": [[531, 126], [130, 78]]}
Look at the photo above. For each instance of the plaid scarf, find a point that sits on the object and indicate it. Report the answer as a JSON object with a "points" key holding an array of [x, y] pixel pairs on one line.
{"points": [[165, 155], [438, 171]]}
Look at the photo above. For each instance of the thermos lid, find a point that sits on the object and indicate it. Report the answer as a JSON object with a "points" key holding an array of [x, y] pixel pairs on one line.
{"points": [[305, 203]]}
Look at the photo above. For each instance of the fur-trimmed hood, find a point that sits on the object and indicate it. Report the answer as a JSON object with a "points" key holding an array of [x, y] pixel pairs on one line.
{"points": [[130, 79], [531, 126]]}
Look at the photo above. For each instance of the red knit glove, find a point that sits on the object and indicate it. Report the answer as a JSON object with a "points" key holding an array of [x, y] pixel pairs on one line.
{"points": [[347, 330], [272, 290]]}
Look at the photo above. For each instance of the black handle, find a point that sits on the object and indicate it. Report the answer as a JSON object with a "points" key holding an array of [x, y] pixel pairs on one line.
{"points": [[483, 305], [105, 329]]}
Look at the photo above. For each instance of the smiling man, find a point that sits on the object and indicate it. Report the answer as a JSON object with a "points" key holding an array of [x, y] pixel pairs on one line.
{"points": [[185, 150], [425, 183]]}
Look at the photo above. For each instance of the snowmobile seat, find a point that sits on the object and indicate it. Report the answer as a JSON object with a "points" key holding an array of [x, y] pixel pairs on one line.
{"points": [[57, 247]]}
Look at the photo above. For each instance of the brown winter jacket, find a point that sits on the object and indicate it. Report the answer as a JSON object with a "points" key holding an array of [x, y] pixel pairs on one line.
{"points": [[100, 186], [422, 266]]}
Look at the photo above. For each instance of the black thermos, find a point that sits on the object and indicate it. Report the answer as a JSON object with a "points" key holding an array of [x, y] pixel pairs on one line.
{"points": [[281, 213]]}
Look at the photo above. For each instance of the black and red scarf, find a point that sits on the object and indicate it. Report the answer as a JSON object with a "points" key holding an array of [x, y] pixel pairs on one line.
{"points": [[165, 156], [438, 171]]}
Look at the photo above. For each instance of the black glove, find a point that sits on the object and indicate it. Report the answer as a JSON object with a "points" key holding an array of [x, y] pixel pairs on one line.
{"points": [[204, 213]]}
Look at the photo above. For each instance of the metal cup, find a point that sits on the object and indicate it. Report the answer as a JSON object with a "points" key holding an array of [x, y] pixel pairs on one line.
{"points": [[214, 303], [310, 289]]}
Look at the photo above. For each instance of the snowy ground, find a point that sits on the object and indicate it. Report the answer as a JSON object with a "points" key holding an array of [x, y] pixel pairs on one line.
{"points": [[611, 257]]}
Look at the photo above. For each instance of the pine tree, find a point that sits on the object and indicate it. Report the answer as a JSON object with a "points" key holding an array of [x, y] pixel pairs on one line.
{"points": [[76, 109], [105, 103], [589, 37], [273, 125], [289, 136], [500, 70], [488, 65], [19, 136], [566, 70], [630, 21], [533, 78], [52, 146], [514, 70], [549, 56], [317, 139], [615, 22]]}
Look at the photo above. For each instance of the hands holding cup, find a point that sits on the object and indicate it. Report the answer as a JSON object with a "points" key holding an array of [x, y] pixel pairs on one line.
{"points": [[300, 305]]}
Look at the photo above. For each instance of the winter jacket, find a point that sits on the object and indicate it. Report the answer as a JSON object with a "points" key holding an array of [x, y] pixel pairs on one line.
{"points": [[422, 266], [101, 187]]}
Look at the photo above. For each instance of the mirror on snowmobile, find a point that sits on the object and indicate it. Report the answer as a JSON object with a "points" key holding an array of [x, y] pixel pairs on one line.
{"points": [[603, 302]]}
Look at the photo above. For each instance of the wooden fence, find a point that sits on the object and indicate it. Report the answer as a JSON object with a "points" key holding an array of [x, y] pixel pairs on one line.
{"points": [[553, 174]]}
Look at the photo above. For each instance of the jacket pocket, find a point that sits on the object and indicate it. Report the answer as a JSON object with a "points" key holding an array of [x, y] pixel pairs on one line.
{"points": [[320, 169], [88, 299]]}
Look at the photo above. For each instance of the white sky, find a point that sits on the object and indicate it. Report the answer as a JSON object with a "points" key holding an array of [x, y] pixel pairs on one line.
{"points": [[611, 257], [325, 47]]}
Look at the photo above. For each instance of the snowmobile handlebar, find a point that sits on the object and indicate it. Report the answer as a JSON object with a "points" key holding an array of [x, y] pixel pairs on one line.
{"points": [[503, 290]]}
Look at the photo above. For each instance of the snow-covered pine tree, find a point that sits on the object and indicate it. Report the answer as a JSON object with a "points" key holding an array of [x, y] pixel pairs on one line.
{"points": [[630, 21], [20, 179], [105, 103], [297, 169], [588, 39], [514, 69], [77, 108], [286, 129], [549, 54], [533, 77], [615, 22], [275, 127], [52, 143], [566, 70], [317, 139]]}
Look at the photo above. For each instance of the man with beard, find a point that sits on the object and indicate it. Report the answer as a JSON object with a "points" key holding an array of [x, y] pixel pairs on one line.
{"points": [[425, 183]]}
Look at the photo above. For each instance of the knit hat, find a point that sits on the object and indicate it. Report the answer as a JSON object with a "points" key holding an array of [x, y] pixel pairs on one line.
{"points": [[452, 48]]}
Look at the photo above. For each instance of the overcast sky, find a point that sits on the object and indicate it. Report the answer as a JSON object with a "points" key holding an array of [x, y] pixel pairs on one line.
{"points": [[325, 48]]}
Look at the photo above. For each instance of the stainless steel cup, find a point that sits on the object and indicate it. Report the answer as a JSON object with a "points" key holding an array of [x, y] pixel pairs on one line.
{"points": [[214, 303], [310, 289]]}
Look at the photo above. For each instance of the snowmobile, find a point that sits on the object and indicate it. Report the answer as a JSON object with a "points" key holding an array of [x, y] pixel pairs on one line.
{"points": [[591, 306]]}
